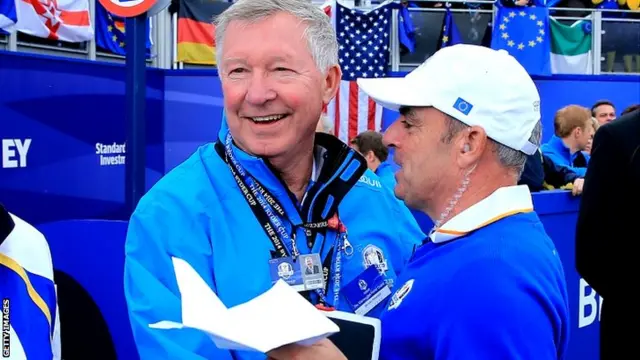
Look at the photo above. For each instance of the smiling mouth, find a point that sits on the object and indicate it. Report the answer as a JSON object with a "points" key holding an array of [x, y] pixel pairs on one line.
{"points": [[267, 119]]}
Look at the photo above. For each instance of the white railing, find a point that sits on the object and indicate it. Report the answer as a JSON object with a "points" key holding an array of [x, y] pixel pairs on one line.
{"points": [[164, 36]]}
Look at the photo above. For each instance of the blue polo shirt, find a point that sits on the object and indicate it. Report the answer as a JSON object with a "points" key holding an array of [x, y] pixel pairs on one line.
{"points": [[488, 284], [560, 155]]}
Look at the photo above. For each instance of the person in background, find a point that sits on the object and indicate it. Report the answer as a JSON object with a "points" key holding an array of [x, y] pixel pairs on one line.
{"points": [[608, 212], [559, 177], [533, 173], [488, 282], [385, 169], [573, 132], [604, 111], [369, 144], [28, 291], [596, 125], [271, 189]]}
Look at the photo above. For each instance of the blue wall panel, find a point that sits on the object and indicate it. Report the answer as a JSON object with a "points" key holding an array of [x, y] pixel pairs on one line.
{"points": [[64, 108], [193, 110]]}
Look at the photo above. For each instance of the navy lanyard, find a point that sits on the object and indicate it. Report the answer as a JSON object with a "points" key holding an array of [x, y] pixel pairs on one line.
{"points": [[270, 213]]}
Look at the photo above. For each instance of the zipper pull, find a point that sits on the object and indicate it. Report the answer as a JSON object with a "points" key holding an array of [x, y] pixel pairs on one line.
{"points": [[347, 248]]}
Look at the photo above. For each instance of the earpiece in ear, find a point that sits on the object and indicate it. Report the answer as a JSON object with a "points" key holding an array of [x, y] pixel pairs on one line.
{"points": [[466, 148]]}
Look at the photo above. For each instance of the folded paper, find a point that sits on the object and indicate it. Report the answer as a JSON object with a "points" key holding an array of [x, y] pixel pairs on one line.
{"points": [[251, 326]]}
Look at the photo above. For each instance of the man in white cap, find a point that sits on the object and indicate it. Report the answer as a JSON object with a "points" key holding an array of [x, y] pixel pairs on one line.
{"points": [[487, 283]]}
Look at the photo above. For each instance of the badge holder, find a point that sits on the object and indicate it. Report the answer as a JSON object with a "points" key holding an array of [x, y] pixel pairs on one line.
{"points": [[303, 274], [367, 290]]}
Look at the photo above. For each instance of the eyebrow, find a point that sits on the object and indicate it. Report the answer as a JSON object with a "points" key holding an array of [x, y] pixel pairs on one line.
{"points": [[274, 59], [408, 112], [233, 61]]}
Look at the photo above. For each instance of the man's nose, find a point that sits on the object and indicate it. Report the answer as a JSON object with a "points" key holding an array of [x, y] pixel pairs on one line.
{"points": [[260, 90], [389, 138]]}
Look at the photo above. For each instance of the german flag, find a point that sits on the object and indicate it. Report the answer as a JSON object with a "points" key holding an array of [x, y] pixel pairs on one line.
{"points": [[196, 33]]}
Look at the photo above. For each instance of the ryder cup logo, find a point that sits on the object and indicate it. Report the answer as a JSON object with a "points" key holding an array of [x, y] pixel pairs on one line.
{"points": [[362, 285], [132, 8], [285, 271], [373, 256]]}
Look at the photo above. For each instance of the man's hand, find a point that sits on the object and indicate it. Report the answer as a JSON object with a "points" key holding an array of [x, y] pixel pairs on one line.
{"points": [[322, 350], [577, 186]]}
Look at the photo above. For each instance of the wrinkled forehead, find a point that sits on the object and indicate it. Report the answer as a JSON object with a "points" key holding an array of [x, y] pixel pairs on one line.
{"points": [[278, 27], [604, 109], [276, 37]]}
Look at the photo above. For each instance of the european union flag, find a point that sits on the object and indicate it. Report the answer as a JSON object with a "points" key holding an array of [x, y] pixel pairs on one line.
{"points": [[110, 32], [406, 30], [450, 34], [524, 33], [8, 16], [463, 106]]}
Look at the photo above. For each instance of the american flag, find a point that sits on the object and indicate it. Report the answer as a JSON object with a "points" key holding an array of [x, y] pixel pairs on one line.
{"points": [[364, 39]]}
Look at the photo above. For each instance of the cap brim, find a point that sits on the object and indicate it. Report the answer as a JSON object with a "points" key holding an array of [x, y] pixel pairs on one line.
{"points": [[392, 93]]}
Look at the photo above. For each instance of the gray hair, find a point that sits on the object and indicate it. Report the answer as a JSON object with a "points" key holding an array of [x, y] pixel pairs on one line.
{"points": [[321, 37], [507, 156]]}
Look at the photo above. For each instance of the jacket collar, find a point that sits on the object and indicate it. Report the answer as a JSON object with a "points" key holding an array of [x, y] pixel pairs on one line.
{"points": [[557, 143], [337, 168], [560, 147], [563, 150], [384, 167], [500, 204], [324, 147]]}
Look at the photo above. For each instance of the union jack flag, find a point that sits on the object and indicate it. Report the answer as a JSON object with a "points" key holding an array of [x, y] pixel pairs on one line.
{"points": [[364, 39]]}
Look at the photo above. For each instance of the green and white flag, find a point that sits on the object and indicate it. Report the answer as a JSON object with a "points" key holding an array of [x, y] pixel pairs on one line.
{"points": [[571, 47]]}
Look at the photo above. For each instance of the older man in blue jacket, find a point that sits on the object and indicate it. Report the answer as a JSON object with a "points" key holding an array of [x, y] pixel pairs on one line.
{"points": [[268, 193]]}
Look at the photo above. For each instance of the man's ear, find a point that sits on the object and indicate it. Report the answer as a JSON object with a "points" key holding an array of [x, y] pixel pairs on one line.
{"points": [[370, 156], [331, 83], [470, 146]]}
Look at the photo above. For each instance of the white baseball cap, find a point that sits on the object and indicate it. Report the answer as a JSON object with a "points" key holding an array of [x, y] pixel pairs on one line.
{"points": [[474, 84]]}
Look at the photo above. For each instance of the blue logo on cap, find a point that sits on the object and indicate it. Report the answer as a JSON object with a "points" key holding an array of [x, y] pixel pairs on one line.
{"points": [[463, 106]]}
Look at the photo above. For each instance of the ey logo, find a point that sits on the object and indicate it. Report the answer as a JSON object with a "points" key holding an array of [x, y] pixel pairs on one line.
{"points": [[14, 153]]}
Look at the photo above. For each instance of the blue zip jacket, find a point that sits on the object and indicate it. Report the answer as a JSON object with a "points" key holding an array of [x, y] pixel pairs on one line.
{"points": [[556, 151], [197, 213], [387, 174]]}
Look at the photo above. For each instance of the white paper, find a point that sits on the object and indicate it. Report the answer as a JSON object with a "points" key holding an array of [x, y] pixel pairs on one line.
{"points": [[254, 325]]}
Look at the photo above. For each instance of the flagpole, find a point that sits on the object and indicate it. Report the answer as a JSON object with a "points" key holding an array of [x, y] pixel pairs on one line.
{"points": [[135, 94]]}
